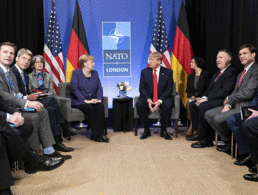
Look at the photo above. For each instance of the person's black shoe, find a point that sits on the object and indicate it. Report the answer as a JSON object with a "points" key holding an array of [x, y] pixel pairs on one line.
{"points": [[72, 131], [57, 154], [226, 148], [193, 138], [165, 135], [145, 135], [44, 163], [243, 161], [61, 147], [202, 144], [102, 138], [6, 191], [253, 169], [251, 177]]}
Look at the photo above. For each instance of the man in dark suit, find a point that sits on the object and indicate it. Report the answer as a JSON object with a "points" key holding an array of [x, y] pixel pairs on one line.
{"points": [[12, 147], [250, 131], [221, 85], [234, 123], [244, 92], [156, 86], [56, 118]]}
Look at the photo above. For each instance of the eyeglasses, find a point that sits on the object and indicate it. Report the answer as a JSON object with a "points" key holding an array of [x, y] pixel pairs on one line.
{"points": [[38, 62], [241, 54]]}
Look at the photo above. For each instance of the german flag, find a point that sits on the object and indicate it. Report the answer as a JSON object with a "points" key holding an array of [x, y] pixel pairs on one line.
{"points": [[78, 44], [181, 56]]}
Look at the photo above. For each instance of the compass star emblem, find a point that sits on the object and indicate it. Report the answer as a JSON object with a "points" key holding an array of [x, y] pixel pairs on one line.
{"points": [[116, 35]]}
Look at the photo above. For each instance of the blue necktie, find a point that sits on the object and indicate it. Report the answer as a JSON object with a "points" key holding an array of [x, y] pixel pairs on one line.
{"points": [[40, 81], [9, 79]]}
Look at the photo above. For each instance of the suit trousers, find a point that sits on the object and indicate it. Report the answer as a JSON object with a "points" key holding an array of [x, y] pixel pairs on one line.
{"points": [[165, 111], [12, 148], [250, 131], [96, 116], [54, 112], [42, 133], [199, 123], [234, 123], [218, 121]]}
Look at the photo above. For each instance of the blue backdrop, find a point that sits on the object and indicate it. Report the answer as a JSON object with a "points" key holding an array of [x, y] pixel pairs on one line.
{"points": [[141, 15]]}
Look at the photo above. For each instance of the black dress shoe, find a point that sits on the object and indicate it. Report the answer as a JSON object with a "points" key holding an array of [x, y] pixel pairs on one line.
{"points": [[202, 144], [251, 177], [57, 154], [61, 147], [193, 138], [6, 191], [102, 138], [72, 131], [165, 135], [253, 169], [243, 161], [226, 148], [145, 135], [44, 163]]}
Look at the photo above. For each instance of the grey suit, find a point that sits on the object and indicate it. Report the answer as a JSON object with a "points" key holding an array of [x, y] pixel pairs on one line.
{"points": [[241, 96], [47, 81], [42, 133]]}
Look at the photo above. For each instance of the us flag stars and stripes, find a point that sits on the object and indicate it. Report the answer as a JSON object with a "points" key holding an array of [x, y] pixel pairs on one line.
{"points": [[53, 51], [159, 39]]}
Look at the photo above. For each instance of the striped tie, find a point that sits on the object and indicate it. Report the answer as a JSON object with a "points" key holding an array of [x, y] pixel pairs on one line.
{"points": [[241, 78]]}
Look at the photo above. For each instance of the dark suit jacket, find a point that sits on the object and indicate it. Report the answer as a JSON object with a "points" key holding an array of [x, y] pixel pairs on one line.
{"points": [[165, 84], [219, 90], [20, 81], [202, 84], [83, 89], [5, 107]]}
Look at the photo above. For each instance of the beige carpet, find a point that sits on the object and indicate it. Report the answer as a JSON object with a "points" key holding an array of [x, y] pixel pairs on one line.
{"points": [[130, 166]]}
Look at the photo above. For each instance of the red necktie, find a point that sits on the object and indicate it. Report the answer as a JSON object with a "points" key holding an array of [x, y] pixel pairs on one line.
{"points": [[155, 87], [241, 78], [218, 76]]}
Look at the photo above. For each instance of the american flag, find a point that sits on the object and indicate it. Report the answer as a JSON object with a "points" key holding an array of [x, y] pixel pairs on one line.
{"points": [[160, 40], [53, 50]]}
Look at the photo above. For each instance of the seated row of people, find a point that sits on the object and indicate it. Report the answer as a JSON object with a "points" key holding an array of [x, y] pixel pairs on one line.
{"points": [[218, 109], [30, 118]]}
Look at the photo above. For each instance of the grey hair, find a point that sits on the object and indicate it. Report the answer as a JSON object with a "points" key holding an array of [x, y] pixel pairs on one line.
{"points": [[24, 51], [37, 57]]}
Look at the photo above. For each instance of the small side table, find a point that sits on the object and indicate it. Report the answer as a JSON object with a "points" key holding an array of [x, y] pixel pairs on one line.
{"points": [[123, 114]]}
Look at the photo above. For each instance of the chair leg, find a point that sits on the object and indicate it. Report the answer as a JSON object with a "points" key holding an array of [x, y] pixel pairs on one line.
{"points": [[135, 126], [232, 145], [236, 152], [216, 139], [105, 125], [176, 127], [69, 137]]}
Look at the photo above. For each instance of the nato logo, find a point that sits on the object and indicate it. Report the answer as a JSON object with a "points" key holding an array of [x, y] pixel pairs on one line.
{"points": [[116, 44]]}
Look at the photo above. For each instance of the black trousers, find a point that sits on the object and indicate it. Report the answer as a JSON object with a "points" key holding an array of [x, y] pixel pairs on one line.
{"points": [[54, 112], [96, 117], [199, 123], [12, 148], [165, 111], [250, 131]]}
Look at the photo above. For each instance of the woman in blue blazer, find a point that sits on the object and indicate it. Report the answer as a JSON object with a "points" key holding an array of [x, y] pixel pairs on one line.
{"points": [[87, 94]]}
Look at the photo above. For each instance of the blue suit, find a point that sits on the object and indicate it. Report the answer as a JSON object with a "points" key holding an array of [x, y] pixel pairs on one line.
{"points": [[234, 123], [83, 88]]}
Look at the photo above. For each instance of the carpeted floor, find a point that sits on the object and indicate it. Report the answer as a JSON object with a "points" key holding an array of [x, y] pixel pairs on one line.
{"points": [[130, 166]]}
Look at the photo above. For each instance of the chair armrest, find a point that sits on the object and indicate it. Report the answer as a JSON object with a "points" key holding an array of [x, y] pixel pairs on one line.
{"points": [[105, 103], [176, 109], [65, 105], [135, 108]]}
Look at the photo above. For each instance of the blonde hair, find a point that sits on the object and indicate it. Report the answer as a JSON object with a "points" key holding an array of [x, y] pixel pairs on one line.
{"points": [[157, 55], [84, 58]]}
